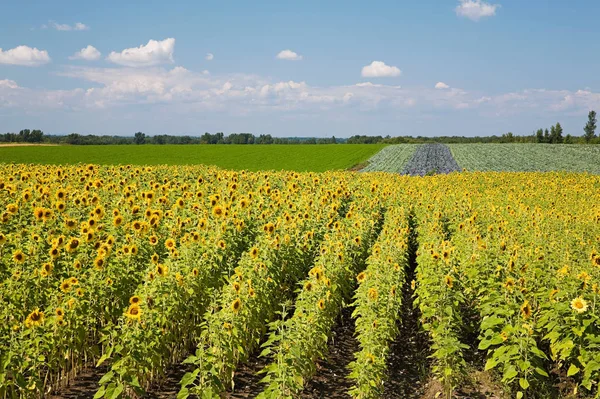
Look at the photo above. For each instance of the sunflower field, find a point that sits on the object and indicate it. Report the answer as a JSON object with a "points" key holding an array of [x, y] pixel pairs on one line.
{"points": [[132, 272]]}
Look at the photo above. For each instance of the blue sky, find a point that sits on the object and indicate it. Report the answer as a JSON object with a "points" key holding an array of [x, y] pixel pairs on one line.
{"points": [[309, 68]]}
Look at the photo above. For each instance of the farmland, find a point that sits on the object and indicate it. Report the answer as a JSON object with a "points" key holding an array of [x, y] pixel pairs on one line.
{"points": [[134, 271], [527, 157], [301, 158], [421, 159]]}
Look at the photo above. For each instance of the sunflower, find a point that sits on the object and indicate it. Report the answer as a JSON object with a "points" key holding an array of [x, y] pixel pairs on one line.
{"points": [[134, 312], [308, 286], [221, 244], [65, 286], [236, 287], [34, 319], [373, 294], [72, 245], [19, 256], [321, 304], [526, 310], [362, 276], [170, 243], [46, 269], [38, 213], [218, 211], [109, 282], [269, 228], [509, 284], [59, 312], [2, 239], [70, 224], [579, 305], [135, 300], [448, 281], [162, 270], [12, 208], [54, 252], [118, 220], [236, 305]]}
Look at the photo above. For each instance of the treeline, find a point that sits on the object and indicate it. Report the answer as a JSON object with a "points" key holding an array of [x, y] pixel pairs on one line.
{"points": [[554, 135], [37, 136]]}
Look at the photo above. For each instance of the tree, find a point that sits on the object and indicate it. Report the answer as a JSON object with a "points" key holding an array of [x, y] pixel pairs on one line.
{"points": [[539, 135], [139, 138], [558, 134], [590, 127], [568, 139]]}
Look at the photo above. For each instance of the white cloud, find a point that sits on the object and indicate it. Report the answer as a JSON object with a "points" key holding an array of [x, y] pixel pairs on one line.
{"points": [[378, 69], [153, 53], [89, 53], [24, 55], [65, 27], [9, 84], [80, 26], [288, 55], [209, 56], [476, 9], [441, 86]]}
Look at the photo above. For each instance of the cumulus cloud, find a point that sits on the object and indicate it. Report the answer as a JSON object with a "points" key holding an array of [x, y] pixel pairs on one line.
{"points": [[288, 55], [9, 84], [476, 9], [89, 53], [65, 27], [441, 86], [153, 53], [378, 69], [24, 55], [209, 56]]}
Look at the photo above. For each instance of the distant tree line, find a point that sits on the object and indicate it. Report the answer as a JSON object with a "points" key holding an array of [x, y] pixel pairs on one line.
{"points": [[24, 136], [554, 135]]}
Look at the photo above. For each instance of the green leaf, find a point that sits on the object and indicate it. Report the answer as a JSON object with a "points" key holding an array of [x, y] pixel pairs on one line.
{"points": [[490, 364], [117, 392], [490, 322], [100, 392], [510, 373], [541, 372], [183, 393], [102, 359], [187, 379], [572, 370], [523, 383], [519, 395]]}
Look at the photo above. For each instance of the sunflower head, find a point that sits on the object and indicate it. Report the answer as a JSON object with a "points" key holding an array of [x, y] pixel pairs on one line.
{"points": [[134, 312], [526, 310], [34, 319], [579, 305], [321, 304], [236, 305]]}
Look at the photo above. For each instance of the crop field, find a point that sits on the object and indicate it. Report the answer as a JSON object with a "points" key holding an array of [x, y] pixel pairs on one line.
{"points": [[213, 283], [421, 159], [527, 157], [300, 158]]}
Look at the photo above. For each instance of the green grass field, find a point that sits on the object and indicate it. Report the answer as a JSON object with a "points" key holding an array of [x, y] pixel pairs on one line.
{"points": [[301, 158]]}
